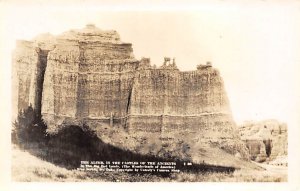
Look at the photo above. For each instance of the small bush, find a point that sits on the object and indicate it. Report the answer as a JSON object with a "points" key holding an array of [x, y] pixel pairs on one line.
{"points": [[71, 145], [29, 127]]}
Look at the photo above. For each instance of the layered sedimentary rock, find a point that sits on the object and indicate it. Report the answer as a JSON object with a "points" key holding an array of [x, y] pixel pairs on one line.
{"points": [[266, 140], [25, 59], [29, 64], [91, 76], [180, 100], [192, 103]]}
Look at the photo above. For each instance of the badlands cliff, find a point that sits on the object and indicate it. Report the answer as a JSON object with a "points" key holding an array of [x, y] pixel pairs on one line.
{"points": [[266, 140], [90, 75]]}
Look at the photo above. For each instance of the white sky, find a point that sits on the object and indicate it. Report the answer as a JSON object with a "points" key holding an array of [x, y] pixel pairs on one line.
{"points": [[255, 45]]}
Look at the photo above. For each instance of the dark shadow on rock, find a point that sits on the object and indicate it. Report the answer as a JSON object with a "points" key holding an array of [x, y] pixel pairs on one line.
{"points": [[73, 144]]}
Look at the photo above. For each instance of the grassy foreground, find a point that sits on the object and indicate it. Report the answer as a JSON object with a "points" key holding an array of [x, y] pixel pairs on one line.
{"points": [[28, 168], [39, 156]]}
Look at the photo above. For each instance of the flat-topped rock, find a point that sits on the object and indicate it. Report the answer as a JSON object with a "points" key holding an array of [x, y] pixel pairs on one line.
{"points": [[90, 76], [91, 34]]}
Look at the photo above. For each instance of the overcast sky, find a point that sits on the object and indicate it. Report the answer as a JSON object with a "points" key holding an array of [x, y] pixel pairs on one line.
{"points": [[254, 45]]}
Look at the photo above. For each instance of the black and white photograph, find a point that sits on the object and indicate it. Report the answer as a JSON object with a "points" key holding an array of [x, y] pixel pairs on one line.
{"points": [[168, 92]]}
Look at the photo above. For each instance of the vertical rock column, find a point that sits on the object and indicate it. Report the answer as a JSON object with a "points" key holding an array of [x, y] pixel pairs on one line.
{"points": [[88, 78], [60, 83], [106, 72], [25, 63]]}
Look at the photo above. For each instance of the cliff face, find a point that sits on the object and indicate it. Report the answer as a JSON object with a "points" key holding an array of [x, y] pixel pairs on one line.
{"points": [[29, 65], [266, 140], [172, 93], [25, 64], [176, 106], [91, 75]]}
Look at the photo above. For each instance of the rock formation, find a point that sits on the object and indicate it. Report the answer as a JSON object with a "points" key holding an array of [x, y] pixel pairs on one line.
{"points": [[90, 75], [266, 140]]}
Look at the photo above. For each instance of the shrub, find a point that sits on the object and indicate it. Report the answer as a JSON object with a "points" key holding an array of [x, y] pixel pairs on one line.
{"points": [[29, 127], [71, 144]]}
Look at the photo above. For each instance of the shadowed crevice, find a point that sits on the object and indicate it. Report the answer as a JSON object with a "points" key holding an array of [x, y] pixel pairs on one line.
{"points": [[41, 68]]}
